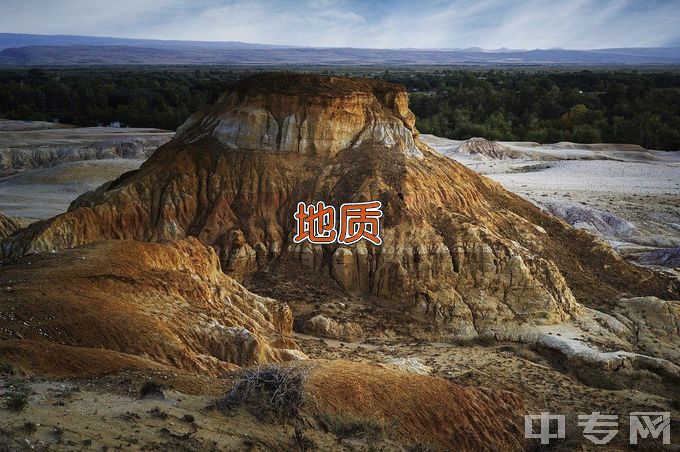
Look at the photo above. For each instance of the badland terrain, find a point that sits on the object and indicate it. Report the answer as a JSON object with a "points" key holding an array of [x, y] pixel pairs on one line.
{"points": [[169, 307]]}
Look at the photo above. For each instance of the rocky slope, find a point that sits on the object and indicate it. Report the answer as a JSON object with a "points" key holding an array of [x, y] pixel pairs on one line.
{"points": [[9, 225], [423, 409], [18, 158], [485, 149], [458, 251], [125, 304]]}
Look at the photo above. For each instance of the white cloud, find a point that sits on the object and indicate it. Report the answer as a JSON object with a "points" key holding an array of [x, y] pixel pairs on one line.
{"points": [[385, 23]]}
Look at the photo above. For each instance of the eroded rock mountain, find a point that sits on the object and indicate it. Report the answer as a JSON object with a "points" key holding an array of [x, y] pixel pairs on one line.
{"points": [[128, 304], [458, 250]]}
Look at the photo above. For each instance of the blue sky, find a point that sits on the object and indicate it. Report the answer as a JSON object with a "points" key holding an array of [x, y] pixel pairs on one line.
{"points": [[490, 24]]}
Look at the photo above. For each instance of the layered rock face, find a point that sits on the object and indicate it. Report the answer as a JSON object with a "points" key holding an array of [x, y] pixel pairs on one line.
{"points": [[458, 250], [15, 159], [121, 304], [272, 114]]}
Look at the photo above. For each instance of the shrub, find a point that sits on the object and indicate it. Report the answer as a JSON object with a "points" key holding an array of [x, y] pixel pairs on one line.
{"points": [[17, 400], [30, 427], [278, 390], [158, 413], [152, 388]]}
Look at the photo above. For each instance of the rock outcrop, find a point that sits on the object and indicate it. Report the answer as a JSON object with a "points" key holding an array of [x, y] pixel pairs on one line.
{"points": [[322, 326], [9, 226], [458, 250], [485, 149], [121, 304], [592, 220], [19, 158], [667, 257], [654, 325]]}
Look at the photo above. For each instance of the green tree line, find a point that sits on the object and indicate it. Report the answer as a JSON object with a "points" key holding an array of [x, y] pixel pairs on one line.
{"points": [[582, 106], [162, 99], [547, 107]]}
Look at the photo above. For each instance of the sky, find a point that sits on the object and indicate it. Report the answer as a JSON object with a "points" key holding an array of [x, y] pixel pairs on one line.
{"points": [[489, 24]]}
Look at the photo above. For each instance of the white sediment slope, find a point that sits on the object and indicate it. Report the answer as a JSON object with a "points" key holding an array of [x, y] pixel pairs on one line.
{"points": [[628, 195], [46, 192], [43, 166]]}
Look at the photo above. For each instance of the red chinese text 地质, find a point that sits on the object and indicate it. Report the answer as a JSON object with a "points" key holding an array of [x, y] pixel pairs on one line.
{"points": [[316, 223]]}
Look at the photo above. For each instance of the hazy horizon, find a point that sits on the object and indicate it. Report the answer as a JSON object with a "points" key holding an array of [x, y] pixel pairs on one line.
{"points": [[383, 24], [332, 47]]}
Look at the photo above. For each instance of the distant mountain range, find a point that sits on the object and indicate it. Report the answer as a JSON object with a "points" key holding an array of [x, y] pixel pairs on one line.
{"points": [[64, 50]]}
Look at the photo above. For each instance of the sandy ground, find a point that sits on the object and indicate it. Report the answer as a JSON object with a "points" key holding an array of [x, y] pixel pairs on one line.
{"points": [[46, 192], [625, 183], [108, 412], [37, 194]]}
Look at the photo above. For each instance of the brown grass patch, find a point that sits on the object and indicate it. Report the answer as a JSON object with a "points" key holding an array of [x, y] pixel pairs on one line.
{"points": [[367, 401], [57, 360], [421, 408]]}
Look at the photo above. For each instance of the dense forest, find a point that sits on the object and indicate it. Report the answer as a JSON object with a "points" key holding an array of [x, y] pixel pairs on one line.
{"points": [[581, 106], [162, 99], [584, 107]]}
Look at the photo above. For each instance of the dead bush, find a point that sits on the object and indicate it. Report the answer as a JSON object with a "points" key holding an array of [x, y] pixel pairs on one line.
{"points": [[152, 389], [276, 389]]}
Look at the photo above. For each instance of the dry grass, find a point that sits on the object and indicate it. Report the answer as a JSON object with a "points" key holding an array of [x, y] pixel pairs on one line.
{"points": [[344, 426], [371, 402], [482, 341], [6, 441], [132, 305], [422, 409]]}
